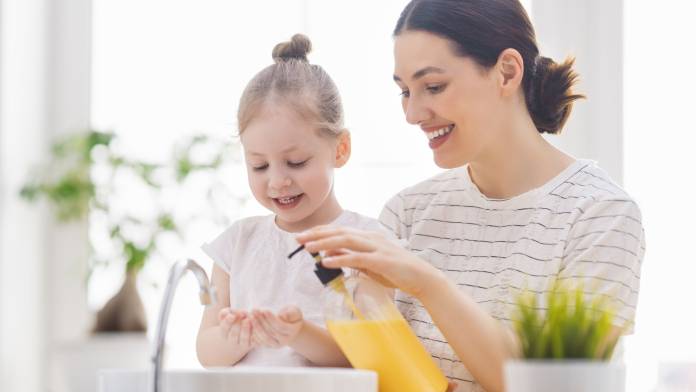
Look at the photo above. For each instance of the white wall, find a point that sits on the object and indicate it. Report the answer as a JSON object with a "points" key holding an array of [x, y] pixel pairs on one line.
{"points": [[44, 74], [592, 31], [22, 241]]}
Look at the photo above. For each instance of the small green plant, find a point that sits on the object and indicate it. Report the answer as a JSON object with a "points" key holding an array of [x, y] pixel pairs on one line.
{"points": [[570, 328]]}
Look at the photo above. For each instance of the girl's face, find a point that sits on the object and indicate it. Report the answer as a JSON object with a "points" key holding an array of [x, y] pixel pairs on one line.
{"points": [[454, 101], [290, 167]]}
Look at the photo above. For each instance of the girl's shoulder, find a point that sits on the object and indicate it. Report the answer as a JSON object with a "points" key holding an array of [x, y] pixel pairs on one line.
{"points": [[358, 221], [249, 226]]}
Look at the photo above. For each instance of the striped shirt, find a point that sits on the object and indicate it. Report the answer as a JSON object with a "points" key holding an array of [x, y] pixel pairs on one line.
{"points": [[579, 226]]}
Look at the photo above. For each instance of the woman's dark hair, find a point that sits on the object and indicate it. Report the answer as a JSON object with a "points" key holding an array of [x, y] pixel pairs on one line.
{"points": [[481, 30]]}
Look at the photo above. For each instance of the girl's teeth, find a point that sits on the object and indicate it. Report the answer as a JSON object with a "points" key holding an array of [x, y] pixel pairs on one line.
{"points": [[287, 200]]}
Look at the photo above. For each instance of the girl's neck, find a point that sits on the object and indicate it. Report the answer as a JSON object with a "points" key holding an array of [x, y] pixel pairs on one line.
{"points": [[326, 213], [521, 161]]}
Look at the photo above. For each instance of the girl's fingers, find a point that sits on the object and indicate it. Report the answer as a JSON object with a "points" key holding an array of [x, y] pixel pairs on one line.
{"points": [[245, 333], [261, 334], [223, 313], [234, 332], [290, 314], [273, 323]]}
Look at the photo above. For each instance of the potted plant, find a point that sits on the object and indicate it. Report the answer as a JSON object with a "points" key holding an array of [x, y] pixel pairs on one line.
{"points": [[69, 183], [567, 347]]}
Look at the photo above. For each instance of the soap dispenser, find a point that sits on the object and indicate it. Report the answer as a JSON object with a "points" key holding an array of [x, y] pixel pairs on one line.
{"points": [[361, 317]]}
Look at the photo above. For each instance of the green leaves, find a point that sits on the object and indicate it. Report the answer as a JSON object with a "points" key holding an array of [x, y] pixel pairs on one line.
{"points": [[571, 327], [68, 184]]}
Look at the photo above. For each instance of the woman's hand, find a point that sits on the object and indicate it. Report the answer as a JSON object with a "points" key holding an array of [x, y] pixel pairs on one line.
{"points": [[236, 327], [271, 330], [374, 254]]}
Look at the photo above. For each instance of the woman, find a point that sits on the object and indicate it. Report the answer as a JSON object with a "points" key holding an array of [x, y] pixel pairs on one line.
{"points": [[513, 212]]}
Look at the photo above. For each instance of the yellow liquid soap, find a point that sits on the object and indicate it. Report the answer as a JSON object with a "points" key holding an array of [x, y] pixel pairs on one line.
{"points": [[339, 286], [390, 348]]}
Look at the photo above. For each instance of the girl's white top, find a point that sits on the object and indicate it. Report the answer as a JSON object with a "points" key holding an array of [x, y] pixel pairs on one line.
{"points": [[580, 227], [254, 252]]}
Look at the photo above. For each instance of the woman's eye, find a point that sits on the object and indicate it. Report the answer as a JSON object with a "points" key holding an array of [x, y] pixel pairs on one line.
{"points": [[405, 93], [297, 164], [435, 88], [260, 167]]}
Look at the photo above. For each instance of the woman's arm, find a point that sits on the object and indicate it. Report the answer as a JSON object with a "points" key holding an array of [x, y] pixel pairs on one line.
{"points": [[480, 341], [224, 336]]}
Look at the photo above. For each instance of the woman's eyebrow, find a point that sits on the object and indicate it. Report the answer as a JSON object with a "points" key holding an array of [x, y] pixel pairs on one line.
{"points": [[422, 72]]}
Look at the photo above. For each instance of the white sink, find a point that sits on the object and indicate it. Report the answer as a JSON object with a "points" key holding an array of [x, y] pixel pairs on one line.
{"points": [[243, 379]]}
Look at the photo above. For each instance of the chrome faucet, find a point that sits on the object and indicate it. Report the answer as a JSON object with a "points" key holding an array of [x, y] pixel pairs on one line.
{"points": [[207, 296]]}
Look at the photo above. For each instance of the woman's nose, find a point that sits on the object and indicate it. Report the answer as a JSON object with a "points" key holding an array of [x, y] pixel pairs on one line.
{"points": [[415, 111]]}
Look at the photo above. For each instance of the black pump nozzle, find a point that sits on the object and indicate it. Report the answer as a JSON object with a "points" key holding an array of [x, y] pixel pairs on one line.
{"points": [[324, 274]]}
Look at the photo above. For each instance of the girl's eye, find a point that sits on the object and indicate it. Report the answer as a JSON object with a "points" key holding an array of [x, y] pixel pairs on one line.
{"points": [[297, 164], [405, 93], [435, 88], [261, 167]]}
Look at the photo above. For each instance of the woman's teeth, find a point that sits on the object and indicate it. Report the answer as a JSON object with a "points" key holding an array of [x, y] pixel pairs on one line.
{"points": [[439, 132]]}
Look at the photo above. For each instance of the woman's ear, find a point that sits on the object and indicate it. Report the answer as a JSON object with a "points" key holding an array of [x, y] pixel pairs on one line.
{"points": [[342, 149], [510, 68]]}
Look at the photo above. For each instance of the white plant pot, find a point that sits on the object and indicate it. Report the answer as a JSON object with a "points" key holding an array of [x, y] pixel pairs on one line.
{"points": [[564, 375]]}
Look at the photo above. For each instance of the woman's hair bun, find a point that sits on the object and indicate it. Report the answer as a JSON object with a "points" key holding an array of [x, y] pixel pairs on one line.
{"points": [[296, 49]]}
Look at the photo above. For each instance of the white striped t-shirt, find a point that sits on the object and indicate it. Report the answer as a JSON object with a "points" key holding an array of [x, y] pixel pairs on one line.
{"points": [[579, 226]]}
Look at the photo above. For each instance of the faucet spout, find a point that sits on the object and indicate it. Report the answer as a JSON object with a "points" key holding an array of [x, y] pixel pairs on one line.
{"points": [[207, 297]]}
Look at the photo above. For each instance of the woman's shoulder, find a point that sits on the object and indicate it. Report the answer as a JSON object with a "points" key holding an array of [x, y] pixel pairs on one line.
{"points": [[591, 191], [449, 181]]}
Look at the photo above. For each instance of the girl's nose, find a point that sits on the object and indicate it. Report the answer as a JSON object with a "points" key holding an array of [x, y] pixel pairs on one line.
{"points": [[280, 181]]}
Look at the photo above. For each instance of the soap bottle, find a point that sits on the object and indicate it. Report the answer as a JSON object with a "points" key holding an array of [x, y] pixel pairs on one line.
{"points": [[362, 318]]}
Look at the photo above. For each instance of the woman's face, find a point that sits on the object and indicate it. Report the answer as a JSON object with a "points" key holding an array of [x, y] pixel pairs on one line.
{"points": [[454, 100]]}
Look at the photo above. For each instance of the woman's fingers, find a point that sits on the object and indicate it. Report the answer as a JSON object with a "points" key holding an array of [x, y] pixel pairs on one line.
{"points": [[357, 260], [319, 232], [348, 241]]}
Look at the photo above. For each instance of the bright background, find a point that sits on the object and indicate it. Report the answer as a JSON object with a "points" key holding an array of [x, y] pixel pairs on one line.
{"points": [[161, 70]]}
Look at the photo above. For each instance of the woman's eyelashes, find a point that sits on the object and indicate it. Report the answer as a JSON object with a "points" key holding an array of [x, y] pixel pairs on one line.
{"points": [[432, 89], [291, 164], [435, 88]]}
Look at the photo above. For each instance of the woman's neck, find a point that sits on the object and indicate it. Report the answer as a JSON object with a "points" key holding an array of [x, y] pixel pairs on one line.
{"points": [[521, 161]]}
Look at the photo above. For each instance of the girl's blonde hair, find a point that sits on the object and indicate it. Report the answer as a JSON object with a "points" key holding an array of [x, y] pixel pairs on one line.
{"points": [[294, 83]]}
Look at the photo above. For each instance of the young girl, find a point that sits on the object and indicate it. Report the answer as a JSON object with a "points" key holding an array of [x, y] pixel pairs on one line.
{"points": [[268, 308], [514, 212]]}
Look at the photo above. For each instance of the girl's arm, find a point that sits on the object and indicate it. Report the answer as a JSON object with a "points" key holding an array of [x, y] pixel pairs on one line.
{"points": [[224, 336], [316, 344]]}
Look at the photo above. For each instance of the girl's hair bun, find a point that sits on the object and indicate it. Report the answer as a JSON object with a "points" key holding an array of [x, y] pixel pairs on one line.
{"points": [[296, 49]]}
